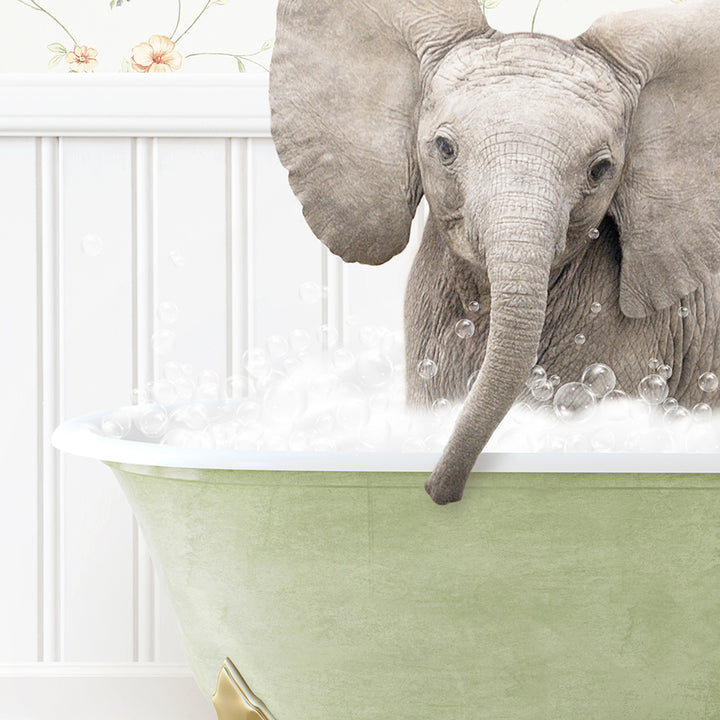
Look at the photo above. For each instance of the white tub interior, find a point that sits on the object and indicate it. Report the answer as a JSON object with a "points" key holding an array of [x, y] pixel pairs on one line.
{"points": [[82, 436]]}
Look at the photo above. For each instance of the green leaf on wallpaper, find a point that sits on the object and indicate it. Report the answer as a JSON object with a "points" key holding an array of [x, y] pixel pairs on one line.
{"points": [[268, 44], [241, 65], [55, 60], [57, 48]]}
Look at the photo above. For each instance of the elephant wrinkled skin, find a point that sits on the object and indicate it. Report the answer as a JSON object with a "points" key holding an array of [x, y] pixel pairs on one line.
{"points": [[523, 145]]}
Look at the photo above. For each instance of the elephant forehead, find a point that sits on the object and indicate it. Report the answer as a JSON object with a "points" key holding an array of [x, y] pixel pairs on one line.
{"points": [[535, 65]]}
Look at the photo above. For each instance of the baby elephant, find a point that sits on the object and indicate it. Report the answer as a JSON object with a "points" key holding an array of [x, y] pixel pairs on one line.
{"points": [[573, 187]]}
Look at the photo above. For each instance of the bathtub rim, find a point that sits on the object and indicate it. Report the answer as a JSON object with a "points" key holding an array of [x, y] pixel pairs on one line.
{"points": [[80, 436]]}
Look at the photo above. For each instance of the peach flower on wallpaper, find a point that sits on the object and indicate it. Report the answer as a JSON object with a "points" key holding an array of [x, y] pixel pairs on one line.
{"points": [[82, 58], [158, 54]]}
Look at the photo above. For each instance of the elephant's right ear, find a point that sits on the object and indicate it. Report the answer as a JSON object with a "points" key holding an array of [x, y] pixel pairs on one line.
{"points": [[345, 83]]}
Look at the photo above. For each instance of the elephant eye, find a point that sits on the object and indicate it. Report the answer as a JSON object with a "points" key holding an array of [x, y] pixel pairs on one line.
{"points": [[599, 170], [446, 148]]}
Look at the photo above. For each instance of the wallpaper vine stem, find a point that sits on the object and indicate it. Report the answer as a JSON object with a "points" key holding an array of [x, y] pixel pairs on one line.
{"points": [[157, 54]]}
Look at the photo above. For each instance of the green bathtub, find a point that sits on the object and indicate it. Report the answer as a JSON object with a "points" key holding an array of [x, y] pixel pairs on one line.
{"points": [[348, 595]]}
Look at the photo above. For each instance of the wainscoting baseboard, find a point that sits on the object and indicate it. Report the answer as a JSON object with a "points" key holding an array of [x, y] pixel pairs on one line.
{"points": [[141, 691]]}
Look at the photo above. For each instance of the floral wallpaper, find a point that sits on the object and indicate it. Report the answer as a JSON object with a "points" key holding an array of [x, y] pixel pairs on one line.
{"points": [[148, 36], [138, 36]]}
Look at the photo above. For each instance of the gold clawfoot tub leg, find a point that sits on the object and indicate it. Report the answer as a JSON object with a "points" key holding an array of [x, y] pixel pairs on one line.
{"points": [[234, 700]]}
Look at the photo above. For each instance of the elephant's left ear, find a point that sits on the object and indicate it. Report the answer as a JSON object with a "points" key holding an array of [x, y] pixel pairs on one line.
{"points": [[667, 205]]}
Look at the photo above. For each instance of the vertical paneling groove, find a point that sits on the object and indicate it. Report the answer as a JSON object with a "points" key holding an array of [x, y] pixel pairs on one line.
{"points": [[246, 269], [333, 312], [49, 400], [144, 164], [238, 262]]}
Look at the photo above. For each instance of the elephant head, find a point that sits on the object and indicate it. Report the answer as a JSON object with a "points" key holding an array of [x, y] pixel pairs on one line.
{"points": [[522, 144]]}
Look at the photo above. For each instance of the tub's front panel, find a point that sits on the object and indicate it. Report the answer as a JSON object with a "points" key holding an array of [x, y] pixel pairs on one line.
{"points": [[535, 598]]}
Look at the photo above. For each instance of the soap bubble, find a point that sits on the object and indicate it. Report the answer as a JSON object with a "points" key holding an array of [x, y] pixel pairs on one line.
{"points": [[117, 423], [163, 340], [194, 416], [92, 245], [300, 341], [554, 380], [284, 401], [185, 388], [543, 391], [225, 434], [178, 259], [369, 336], [670, 404], [653, 389], [257, 362], [574, 401], [683, 312], [595, 308], [441, 407], [208, 391], [163, 392], [703, 439], [536, 376], [298, 441], [167, 313], [708, 382], [653, 364], [474, 306], [680, 419], [208, 377], [141, 396], [376, 435], [277, 346], [379, 403], [178, 437], [248, 412], [465, 329], [352, 414], [328, 336], [603, 440], [665, 372], [172, 370], [239, 386], [414, 445], [578, 443], [393, 345], [310, 293], [188, 439], [615, 405], [593, 233], [323, 423], [702, 411], [471, 380], [153, 421], [580, 339], [326, 386], [599, 378], [374, 369], [427, 369], [343, 360]]}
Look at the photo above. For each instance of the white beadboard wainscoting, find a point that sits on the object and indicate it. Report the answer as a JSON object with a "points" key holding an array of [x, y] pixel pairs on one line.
{"points": [[118, 193]]}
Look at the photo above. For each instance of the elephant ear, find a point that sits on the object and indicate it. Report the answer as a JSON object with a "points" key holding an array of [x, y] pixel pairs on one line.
{"points": [[667, 205], [345, 83]]}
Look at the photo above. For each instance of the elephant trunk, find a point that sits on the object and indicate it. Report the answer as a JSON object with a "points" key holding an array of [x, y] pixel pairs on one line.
{"points": [[520, 244]]}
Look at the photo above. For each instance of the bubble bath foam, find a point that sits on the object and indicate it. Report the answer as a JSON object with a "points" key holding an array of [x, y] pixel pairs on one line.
{"points": [[349, 594]]}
